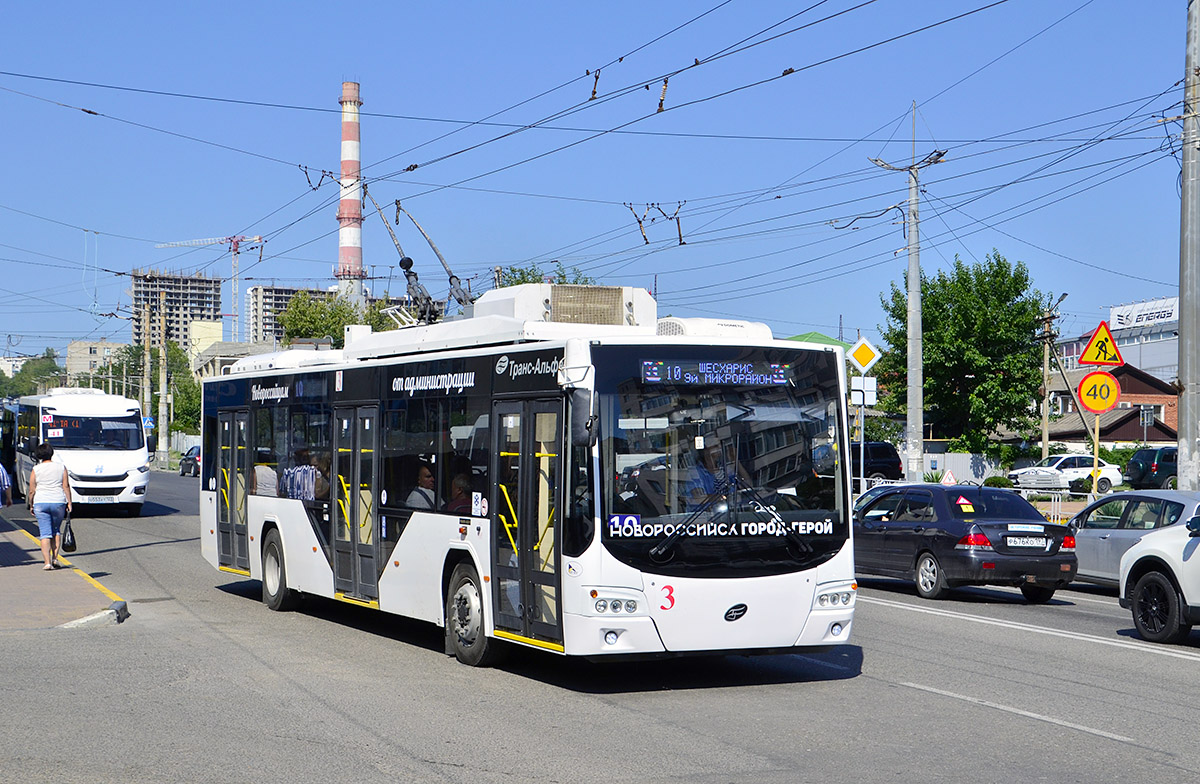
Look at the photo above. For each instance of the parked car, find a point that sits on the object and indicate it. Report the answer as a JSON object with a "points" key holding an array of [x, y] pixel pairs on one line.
{"points": [[1110, 526], [1057, 472], [945, 536], [1160, 583], [1153, 467], [882, 460], [190, 462]]}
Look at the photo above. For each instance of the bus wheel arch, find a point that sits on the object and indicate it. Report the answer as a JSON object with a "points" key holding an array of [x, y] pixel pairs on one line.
{"points": [[275, 591]]}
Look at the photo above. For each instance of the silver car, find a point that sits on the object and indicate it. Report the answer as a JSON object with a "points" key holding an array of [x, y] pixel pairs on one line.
{"points": [[1113, 524]]}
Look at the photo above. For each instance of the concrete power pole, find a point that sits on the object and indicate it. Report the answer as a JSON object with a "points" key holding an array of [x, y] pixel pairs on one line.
{"points": [[145, 353], [915, 434], [1048, 317], [164, 425], [1189, 265]]}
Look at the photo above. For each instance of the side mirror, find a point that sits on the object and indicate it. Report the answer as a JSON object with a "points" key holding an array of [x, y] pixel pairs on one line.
{"points": [[583, 423], [1193, 526]]}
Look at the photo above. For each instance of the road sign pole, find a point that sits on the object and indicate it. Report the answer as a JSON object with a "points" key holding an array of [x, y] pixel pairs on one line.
{"points": [[1095, 458]]}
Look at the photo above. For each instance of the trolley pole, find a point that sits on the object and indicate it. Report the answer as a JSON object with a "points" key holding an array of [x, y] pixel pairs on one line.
{"points": [[1189, 265]]}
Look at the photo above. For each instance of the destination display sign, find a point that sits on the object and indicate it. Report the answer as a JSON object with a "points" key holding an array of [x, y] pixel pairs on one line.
{"points": [[703, 372]]}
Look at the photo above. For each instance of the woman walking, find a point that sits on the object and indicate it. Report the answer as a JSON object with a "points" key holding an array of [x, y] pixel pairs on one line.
{"points": [[50, 501]]}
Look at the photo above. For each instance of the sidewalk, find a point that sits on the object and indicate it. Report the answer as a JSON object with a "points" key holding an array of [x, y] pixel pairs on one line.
{"points": [[31, 598]]}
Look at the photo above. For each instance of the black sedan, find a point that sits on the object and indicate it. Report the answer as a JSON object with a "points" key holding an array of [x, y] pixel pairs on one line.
{"points": [[945, 536], [190, 462]]}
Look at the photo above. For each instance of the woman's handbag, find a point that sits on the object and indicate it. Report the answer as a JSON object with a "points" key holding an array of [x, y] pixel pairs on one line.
{"points": [[68, 536]]}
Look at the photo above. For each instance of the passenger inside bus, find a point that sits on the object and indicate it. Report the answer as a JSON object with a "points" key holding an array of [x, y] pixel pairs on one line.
{"points": [[300, 479], [460, 495], [423, 495], [263, 479]]}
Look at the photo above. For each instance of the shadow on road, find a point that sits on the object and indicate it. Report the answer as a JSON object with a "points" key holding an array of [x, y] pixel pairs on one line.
{"points": [[967, 594], [581, 675]]}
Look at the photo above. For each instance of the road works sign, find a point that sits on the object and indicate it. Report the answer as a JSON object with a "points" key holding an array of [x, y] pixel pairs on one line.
{"points": [[863, 355], [1099, 391], [1101, 349]]}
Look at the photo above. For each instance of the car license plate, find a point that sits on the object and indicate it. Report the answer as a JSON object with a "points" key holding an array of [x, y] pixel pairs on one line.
{"points": [[1026, 541], [99, 499]]}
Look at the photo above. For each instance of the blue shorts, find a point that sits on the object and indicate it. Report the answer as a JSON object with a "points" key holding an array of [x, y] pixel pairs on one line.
{"points": [[49, 518]]}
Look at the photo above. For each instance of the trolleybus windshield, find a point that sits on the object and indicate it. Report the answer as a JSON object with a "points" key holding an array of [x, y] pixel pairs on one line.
{"points": [[717, 460]]}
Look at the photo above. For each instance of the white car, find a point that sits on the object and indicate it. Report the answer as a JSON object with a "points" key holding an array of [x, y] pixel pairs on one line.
{"points": [[1058, 471], [1160, 582]]}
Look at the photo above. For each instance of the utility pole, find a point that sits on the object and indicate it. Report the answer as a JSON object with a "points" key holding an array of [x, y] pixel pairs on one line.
{"points": [[145, 354], [164, 425], [915, 436], [1048, 317], [1189, 265]]}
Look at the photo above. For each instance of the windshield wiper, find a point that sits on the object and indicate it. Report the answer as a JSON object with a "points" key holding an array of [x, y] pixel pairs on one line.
{"points": [[660, 553]]}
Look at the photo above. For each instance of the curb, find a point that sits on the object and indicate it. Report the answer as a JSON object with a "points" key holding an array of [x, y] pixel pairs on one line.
{"points": [[115, 613]]}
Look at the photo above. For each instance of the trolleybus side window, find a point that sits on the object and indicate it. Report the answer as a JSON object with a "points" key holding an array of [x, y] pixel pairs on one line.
{"points": [[435, 454]]}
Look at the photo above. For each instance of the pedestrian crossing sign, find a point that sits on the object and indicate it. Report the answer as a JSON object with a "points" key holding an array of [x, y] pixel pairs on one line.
{"points": [[1102, 349]]}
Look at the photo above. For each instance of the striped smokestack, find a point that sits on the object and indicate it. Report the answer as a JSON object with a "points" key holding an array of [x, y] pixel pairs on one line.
{"points": [[350, 266]]}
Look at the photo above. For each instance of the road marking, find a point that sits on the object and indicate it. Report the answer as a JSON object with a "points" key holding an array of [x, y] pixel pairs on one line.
{"points": [[1141, 647], [1073, 597], [1019, 712]]}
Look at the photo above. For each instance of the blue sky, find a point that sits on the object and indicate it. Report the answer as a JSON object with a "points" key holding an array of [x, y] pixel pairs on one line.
{"points": [[1049, 113]]}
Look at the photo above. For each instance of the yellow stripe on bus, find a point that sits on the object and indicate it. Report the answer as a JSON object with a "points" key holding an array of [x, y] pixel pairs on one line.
{"points": [[341, 597], [231, 570], [550, 646]]}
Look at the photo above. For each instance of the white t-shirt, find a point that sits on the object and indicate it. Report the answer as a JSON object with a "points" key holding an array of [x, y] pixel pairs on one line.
{"points": [[49, 483], [420, 498]]}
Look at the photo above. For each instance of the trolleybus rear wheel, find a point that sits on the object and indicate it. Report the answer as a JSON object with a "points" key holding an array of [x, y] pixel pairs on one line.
{"points": [[276, 594]]}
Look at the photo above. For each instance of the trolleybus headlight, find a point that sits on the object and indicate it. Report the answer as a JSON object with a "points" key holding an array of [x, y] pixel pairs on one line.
{"points": [[835, 598], [630, 606], [615, 605], [823, 599], [601, 606], [845, 598], [145, 469], [611, 637], [836, 629]]}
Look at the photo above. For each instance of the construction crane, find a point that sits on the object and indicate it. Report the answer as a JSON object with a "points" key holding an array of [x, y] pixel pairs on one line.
{"points": [[234, 244]]}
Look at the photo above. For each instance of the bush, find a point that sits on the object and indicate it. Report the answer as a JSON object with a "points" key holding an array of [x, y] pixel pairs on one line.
{"points": [[997, 481], [933, 477]]}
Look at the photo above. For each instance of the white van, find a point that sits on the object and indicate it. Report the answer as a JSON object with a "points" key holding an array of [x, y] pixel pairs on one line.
{"points": [[97, 436]]}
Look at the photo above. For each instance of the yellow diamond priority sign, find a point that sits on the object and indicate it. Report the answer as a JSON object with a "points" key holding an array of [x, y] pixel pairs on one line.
{"points": [[863, 355]]}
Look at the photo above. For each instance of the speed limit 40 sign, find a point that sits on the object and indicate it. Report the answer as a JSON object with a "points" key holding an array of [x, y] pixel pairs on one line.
{"points": [[1099, 391]]}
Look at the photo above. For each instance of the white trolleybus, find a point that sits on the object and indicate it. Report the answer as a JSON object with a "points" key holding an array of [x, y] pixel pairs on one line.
{"points": [[97, 436], [559, 470]]}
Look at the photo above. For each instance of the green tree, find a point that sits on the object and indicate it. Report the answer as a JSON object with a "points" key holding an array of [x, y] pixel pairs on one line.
{"points": [[982, 360], [185, 391], [532, 273], [307, 316], [25, 381]]}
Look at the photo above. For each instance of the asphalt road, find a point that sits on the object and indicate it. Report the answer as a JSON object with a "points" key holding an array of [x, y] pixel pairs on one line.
{"points": [[203, 684]]}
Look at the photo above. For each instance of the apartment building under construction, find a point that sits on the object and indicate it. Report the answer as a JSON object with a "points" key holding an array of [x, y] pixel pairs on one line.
{"points": [[188, 298]]}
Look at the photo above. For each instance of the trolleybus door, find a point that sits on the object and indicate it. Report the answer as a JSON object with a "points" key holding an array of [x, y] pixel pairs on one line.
{"points": [[527, 506], [232, 466], [355, 516]]}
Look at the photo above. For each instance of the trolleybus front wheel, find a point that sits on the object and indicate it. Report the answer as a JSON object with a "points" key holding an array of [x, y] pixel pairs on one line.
{"points": [[464, 619]]}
